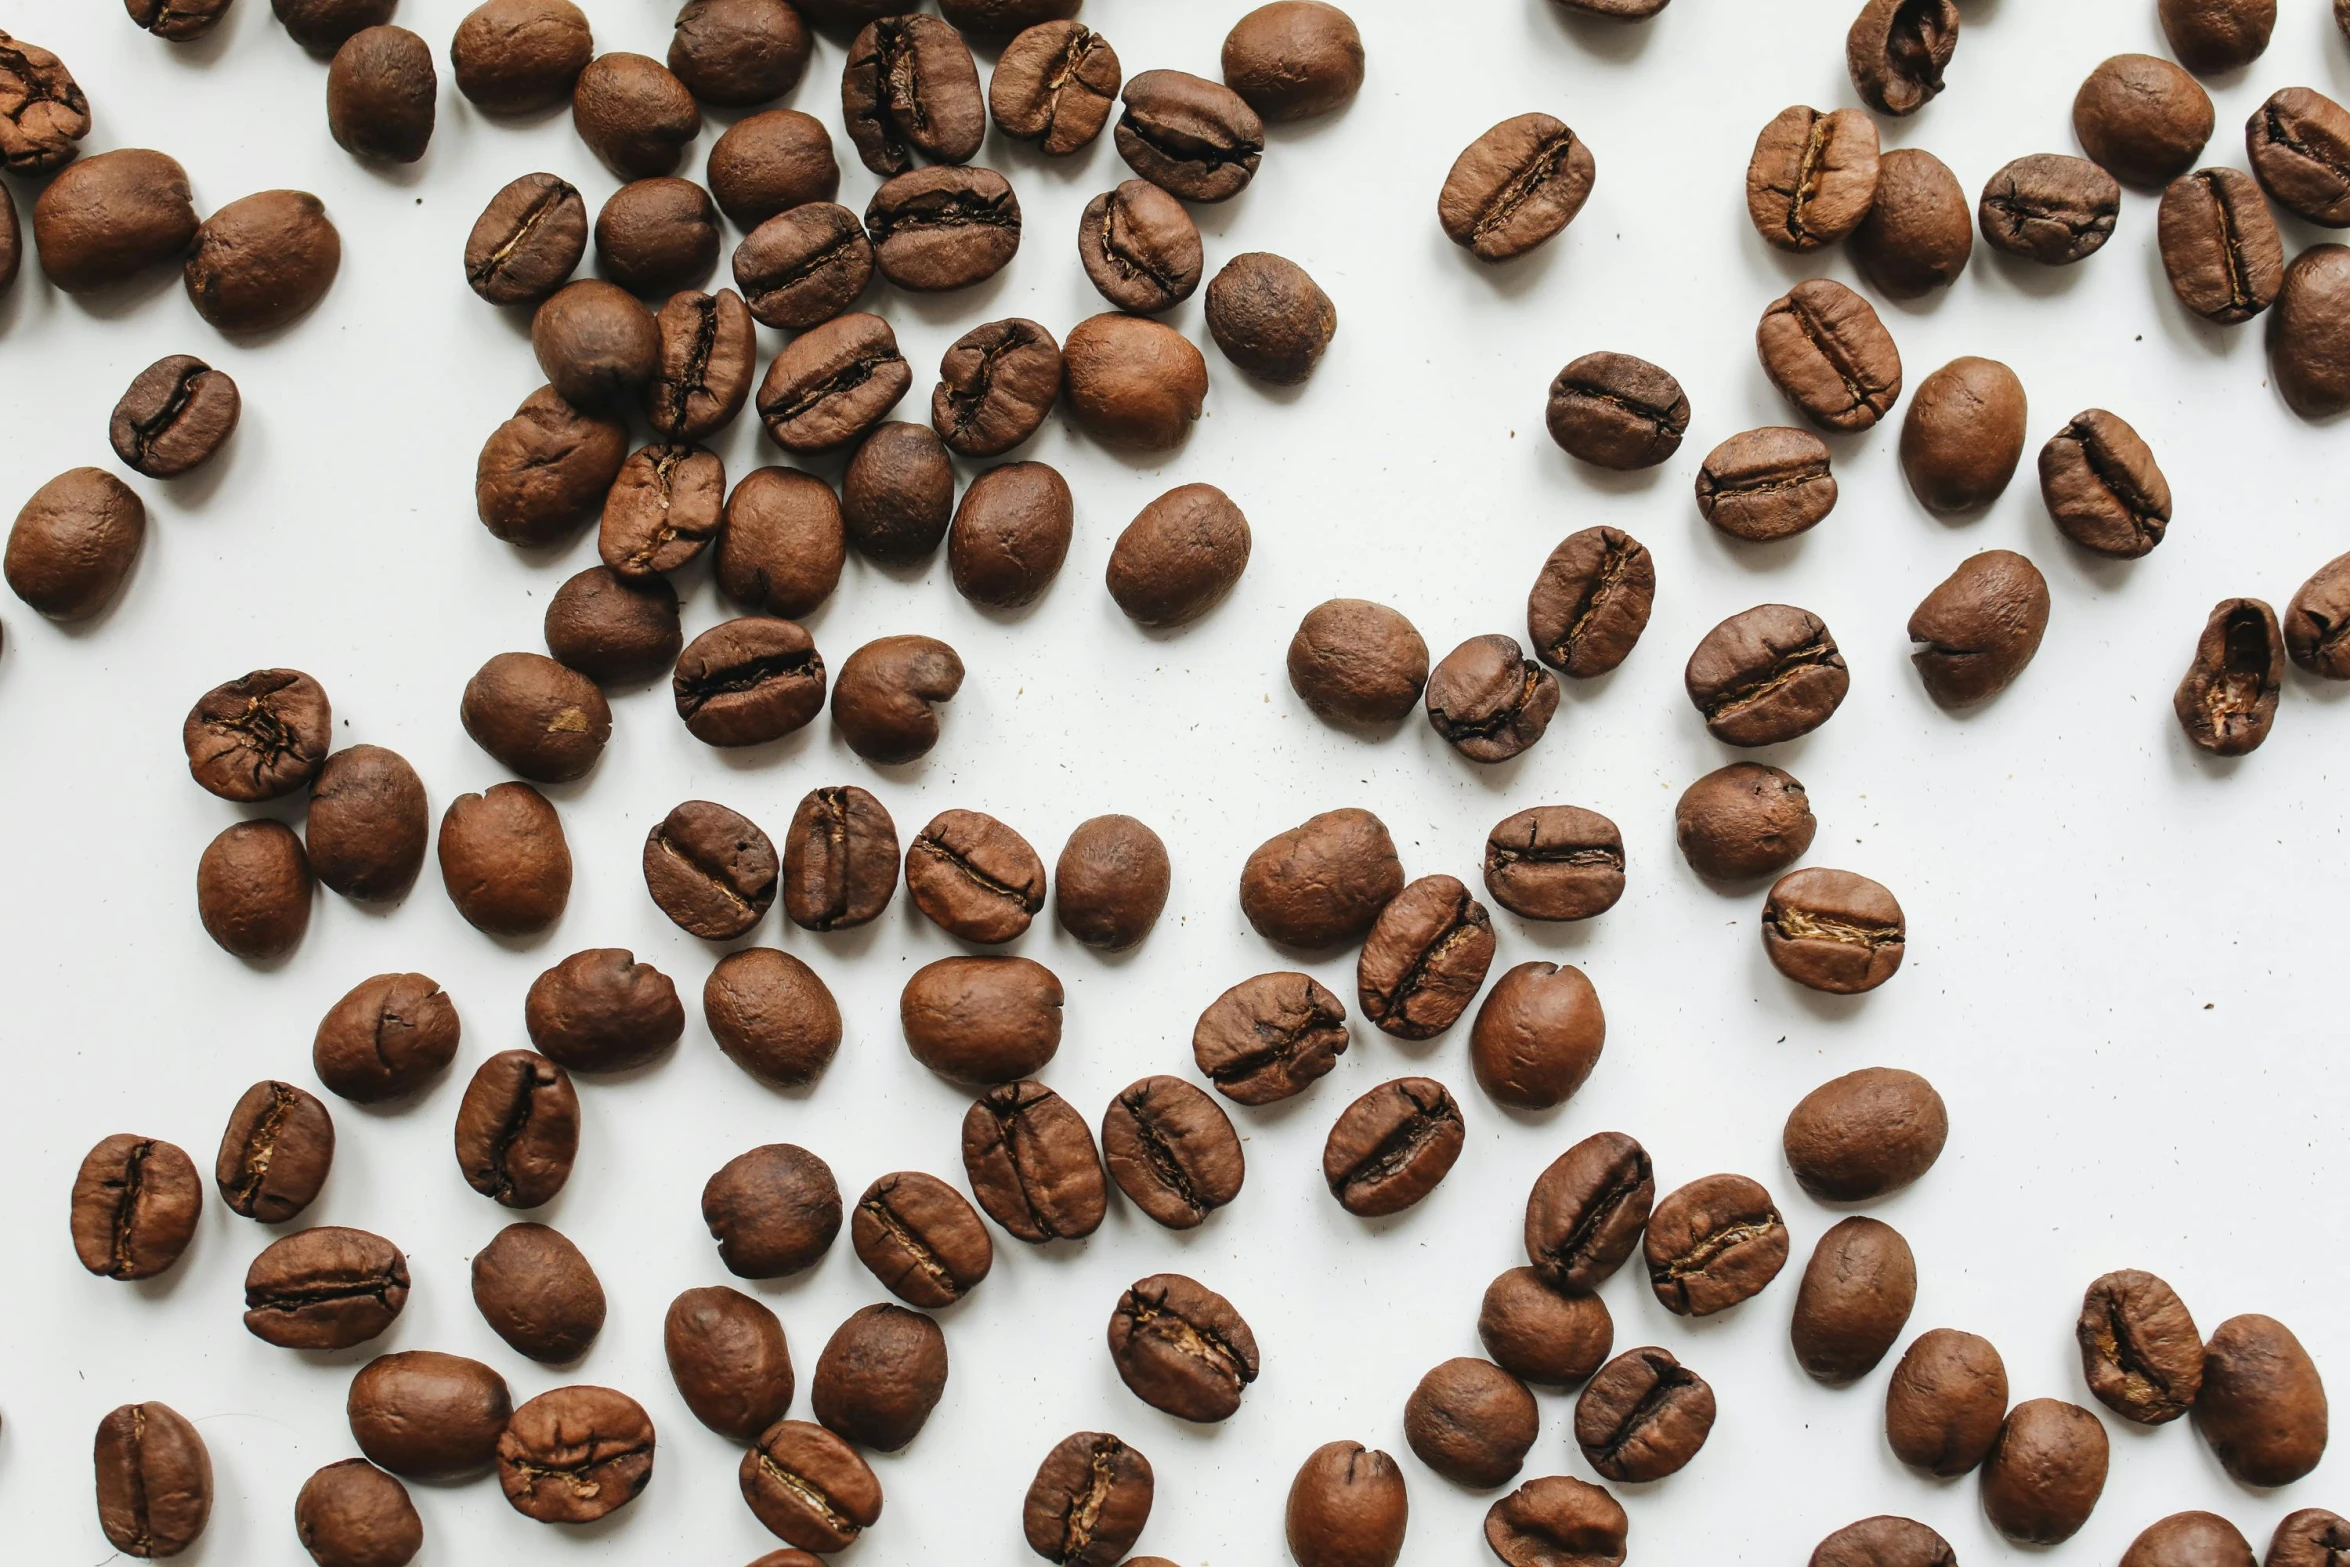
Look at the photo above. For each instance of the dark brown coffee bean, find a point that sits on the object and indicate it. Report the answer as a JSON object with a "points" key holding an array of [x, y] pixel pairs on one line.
{"points": [[1002, 18], [1359, 662], [975, 877], [2227, 700], [1766, 676], [917, 1235], [1111, 882], [1897, 51], [665, 507], [367, 826], [1587, 1210], [1884, 1541], [1179, 557], [428, 1416], [737, 53], [1812, 178], [2189, 1540], [258, 737], [1391, 1147], [1323, 882], [1347, 1506], [325, 1288], [1865, 1135], [1172, 1151], [136, 1201], [881, 1374], [1032, 1165], [2312, 1537], [253, 890], [1515, 187], [729, 1359], [2317, 621], [1832, 930], [2103, 487], [1977, 631], [658, 235], [176, 415], [773, 1211], [2309, 336], [2142, 119], [1089, 1502], [520, 56], [1854, 1301], [782, 547], [504, 861], [1055, 85], [833, 383], [2299, 146], [74, 544], [708, 352], [352, 1514], [1133, 383], [910, 87], [711, 870], [1615, 411], [379, 95], [263, 261], [1743, 821], [1293, 60], [943, 228], [575, 1455], [546, 470], [389, 1036], [982, 1020], [634, 114], [547, 722], [748, 681], [1643, 1416], [613, 629], [1556, 1522], [1471, 1422], [1538, 1036], [840, 860], [537, 1292], [1945, 1403], [109, 217], [46, 112], [1713, 1243], [2050, 208], [772, 1016], [1919, 232], [275, 1153], [1591, 601], [1270, 318], [2045, 1472], [898, 494], [1828, 354], [1963, 435], [597, 346], [1555, 862], [2210, 36], [1140, 248], [996, 384], [518, 1129], [1539, 1334], [154, 1480], [2140, 1352], [602, 1011], [1488, 700], [177, 21], [1269, 1038], [2262, 1407], [1191, 137], [802, 267], [1424, 959], [769, 163], [1010, 534], [1182, 1348], [2220, 245]]}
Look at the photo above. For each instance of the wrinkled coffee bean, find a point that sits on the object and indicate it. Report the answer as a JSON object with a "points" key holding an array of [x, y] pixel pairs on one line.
{"points": [[2192, 1539], [1424, 959], [428, 1416], [1812, 178], [2050, 208], [1587, 1210], [1977, 631], [975, 877], [275, 1153], [1391, 1147], [772, 1016], [1182, 1348], [748, 681], [597, 346], [537, 1292], [1854, 1301], [389, 1036], [2140, 1352], [1538, 1036], [1540, 1334], [840, 860], [739, 53], [730, 1362], [1946, 1400], [352, 1514], [1270, 318], [982, 1020], [1823, 347], [379, 95], [1767, 484], [1556, 1522], [1089, 1502], [1832, 930], [1555, 862], [634, 115], [2312, 1537], [665, 507], [1293, 60], [520, 56], [2210, 36], [262, 262], [1055, 85], [1766, 676], [1963, 435], [1347, 1507], [136, 1201], [253, 890], [1489, 701], [833, 383], [711, 870], [1032, 1165], [1471, 1422], [575, 1455], [917, 1235], [2299, 145], [2317, 621], [910, 87], [1865, 1135], [1110, 883], [1884, 1541], [1919, 232], [1269, 1038], [602, 1011], [367, 824], [943, 228], [546, 470], [1743, 821], [518, 1129], [1643, 1416], [996, 384], [1172, 1151], [898, 494], [773, 1211], [1323, 882], [1191, 137], [708, 352], [1615, 411], [2103, 487], [325, 1288], [2220, 246], [175, 416], [258, 737], [1515, 187], [802, 267], [109, 217], [545, 721], [2141, 119], [613, 629], [1712, 1244], [1359, 662], [1133, 383], [1139, 247], [2045, 1472], [154, 1480], [74, 544], [2309, 335], [1591, 601], [2262, 1406], [504, 861], [769, 163], [2227, 700], [1897, 51], [1179, 557], [43, 112], [881, 1374]]}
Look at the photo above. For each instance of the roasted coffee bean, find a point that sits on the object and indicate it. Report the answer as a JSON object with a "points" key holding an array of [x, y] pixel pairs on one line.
{"points": [[1269, 1038], [1347, 1506], [111, 216], [2312, 1537], [1392, 1146], [154, 1480], [1191, 137], [1542, 1335], [833, 383], [545, 721], [1270, 318], [917, 1235], [1854, 1301], [504, 861], [1179, 557], [263, 261], [974, 877], [1743, 821], [1488, 700], [982, 1020], [1055, 85], [2103, 487], [1833, 931], [74, 544], [575, 1455], [613, 629], [352, 1514], [737, 53], [1424, 959], [1515, 187], [275, 1153], [520, 56], [518, 1129], [379, 95], [325, 1288], [1359, 662], [881, 1374], [773, 1211], [910, 87], [730, 1362], [1919, 232], [1615, 411], [1977, 631], [1132, 382], [1828, 354], [2140, 1352], [1812, 178], [1884, 1541], [943, 228], [177, 21], [783, 545], [996, 385], [840, 859], [1140, 248], [1182, 1348], [2210, 36], [1616, 10], [2050, 208], [1293, 60], [2143, 120], [1555, 862], [258, 737], [11, 244], [772, 1016], [1946, 1400], [2220, 245], [546, 470], [1110, 883], [846, 15], [2045, 1472], [1537, 1037], [1172, 1151], [1556, 1522], [1002, 18], [136, 1201], [537, 1292], [177, 413], [1587, 1210], [321, 26], [1591, 601], [1963, 435], [1323, 882], [2189, 1540], [2317, 621], [46, 113], [1032, 1165], [389, 1036], [665, 507], [748, 681], [898, 494], [1471, 1422], [1713, 1243], [2309, 336], [597, 346], [658, 235], [2262, 1407], [1865, 1135], [2299, 145], [769, 163], [428, 1416], [367, 825], [1643, 1416], [634, 114], [711, 870], [1766, 676], [602, 1011], [1897, 51], [1089, 1502], [2227, 700], [253, 890], [802, 267], [1767, 484]]}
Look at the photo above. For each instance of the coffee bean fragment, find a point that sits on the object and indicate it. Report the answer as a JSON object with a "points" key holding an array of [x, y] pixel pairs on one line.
{"points": [[1712, 1244], [537, 1292], [1323, 882], [253, 890], [1945, 1402], [774, 1211], [259, 737], [1392, 1147], [840, 859], [1543, 1335], [504, 860], [1766, 676], [1884, 1541], [602, 1011], [1270, 318], [1425, 959], [1269, 1038], [1489, 701], [1139, 247], [943, 228], [1538, 1036], [616, 630], [1515, 187], [881, 1374], [2227, 701], [1348, 1506], [1897, 51], [1812, 178], [2309, 334], [178, 412], [1179, 557], [1767, 484], [1823, 347], [74, 544], [910, 87], [917, 1235], [1854, 1301], [575, 1454], [1133, 383], [545, 721], [1920, 230], [748, 681], [711, 870], [388, 1036], [833, 383], [996, 384], [2210, 36], [783, 545], [518, 1129], [1182, 1348], [2050, 208], [1557, 1522], [1172, 1151], [2220, 246], [2317, 621], [428, 1416], [352, 1514], [2103, 487], [136, 1201], [982, 1020], [154, 1477], [1110, 883], [1032, 1165], [2262, 1406], [1643, 1416], [1089, 1501], [1055, 85], [1587, 1210], [1833, 930], [770, 162], [1191, 137], [2140, 1352], [275, 1153], [2045, 1472], [1471, 1422], [326, 1287]]}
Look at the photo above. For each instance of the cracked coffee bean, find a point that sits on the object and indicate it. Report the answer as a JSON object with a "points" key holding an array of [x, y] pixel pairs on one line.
{"points": [[136, 1202], [1615, 411], [504, 861], [840, 859], [520, 56], [897, 495], [1946, 1400], [769, 163], [259, 737], [177, 413], [711, 870], [1854, 1301], [390, 1035], [748, 681], [1865, 1135], [1425, 959], [881, 1374], [109, 217], [546, 470], [975, 877], [2312, 1537], [602, 1011], [1270, 318], [1812, 178], [1179, 557], [1977, 631], [2103, 487], [982, 1020], [1032, 1165], [782, 546], [833, 383], [1180, 1347], [1089, 1501], [1347, 1507], [326, 1287], [1140, 248], [596, 344], [2262, 1407], [1591, 601], [2140, 1352], [43, 111], [1269, 1038], [2045, 1472], [367, 825], [1358, 662], [2220, 246], [910, 87], [1471, 1422], [1110, 883], [1294, 59], [545, 721], [739, 53], [275, 1153], [634, 114], [1172, 1151], [1323, 882], [1884, 1541], [2210, 36], [575, 1454], [1920, 230], [1832, 930], [2309, 336], [708, 352], [1823, 347], [2299, 146], [352, 1514], [2227, 700], [943, 228], [1767, 484], [1489, 701], [774, 1211], [1643, 1416], [1191, 137], [537, 1292], [154, 1480], [2192, 1539], [802, 267], [996, 384], [917, 1235], [1055, 85], [1897, 51], [74, 544], [1712, 1244], [428, 1416], [1743, 821], [616, 630], [1556, 1522], [263, 261], [1766, 676], [2050, 208], [253, 890], [1391, 1147], [1586, 1211], [2317, 621], [1515, 187], [1538, 1036], [1555, 862], [1963, 435], [1133, 383], [728, 1357], [518, 1129], [1541, 1335], [772, 1015], [2142, 120], [380, 89]]}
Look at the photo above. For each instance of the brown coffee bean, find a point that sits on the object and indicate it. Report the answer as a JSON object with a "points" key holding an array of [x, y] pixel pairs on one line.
{"points": [[1591, 601], [708, 352], [769, 163], [538, 1293], [1538, 1036], [1179, 557], [1515, 187], [1191, 137], [1743, 821], [1182, 1348], [154, 1480], [1555, 862], [1828, 354], [1854, 1301], [833, 383], [379, 95], [1766, 676], [1832, 930], [1471, 1422], [1269, 1038], [1884, 1541], [2262, 1406], [1812, 178], [1133, 383], [1539, 1334], [2299, 145], [2309, 335], [367, 825], [1172, 1151], [47, 113], [2140, 1352], [2045, 1472], [781, 549], [727, 1354], [943, 228], [136, 1201], [2220, 245], [2210, 36], [1358, 662], [2189, 1540], [1032, 1165], [11, 244], [633, 114], [2317, 621], [109, 217], [1977, 631], [263, 261], [2049, 208], [545, 470], [772, 1015], [325, 1288], [1347, 1506], [1111, 882], [253, 890], [1489, 701], [547, 722], [177, 413], [840, 860], [321, 26], [1055, 85], [982, 1020], [1323, 882], [975, 877], [917, 1235], [504, 861], [1269, 317], [389, 1036], [996, 384], [910, 87], [1587, 1210], [898, 494], [575, 1455], [1963, 435], [2103, 487], [1615, 411], [2312, 1537], [1712, 1244], [1424, 959], [1556, 1522], [596, 344], [1945, 1403], [1089, 1502], [1293, 60], [275, 1153], [1140, 248], [428, 1416], [520, 56], [881, 1374], [1767, 484], [1865, 1135], [1391, 1147], [2227, 700], [1897, 51], [352, 1514], [773, 1211], [1919, 232], [518, 1129], [602, 1011], [711, 870], [1643, 1416], [2142, 119], [74, 544], [613, 629], [177, 22], [1010, 534], [802, 267], [748, 681], [738, 53], [258, 737]]}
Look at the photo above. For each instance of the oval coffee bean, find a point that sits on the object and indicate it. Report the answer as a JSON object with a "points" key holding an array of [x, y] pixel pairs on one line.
{"points": [[634, 114], [884, 700], [1743, 821], [1192, 138], [783, 545], [772, 1016], [2309, 336], [1828, 354], [748, 681], [1946, 1400], [1586, 1212], [1010, 535], [2045, 1473], [545, 470], [1539, 1334], [2262, 1406], [982, 1020], [2317, 621], [538, 1293], [74, 544], [1537, 1037], [739, 53], [1833, 931], [1489, 701], [1615, 411], [154, 1480], [897, 494], [917, 1235], [727, 1354], [975, 877], [2210, 36], [996, 384], [803, 266], [1978, 630], [2189, 1540], [326, 1287], [910, 87], [1172, 1151], [1897, 51], [1139, 247], [708, 351], [1515, 187], [253, 890], [1854, 1301], [1471, 1422], [711, 870], [1347, 1506], [773, 1211], [518, 1129], [1359, 662], [107, 218], [943, 228], [258, 737], [428, 1416], [1110, 883], [504, 861], [2140, 1352], [275, 1153], [1766, 676], [527, 241], [771, 162], [1055, 85], [840, 859], [1179, 557], [1920, 232], [1591, 601], [1555, 862], [1323, 882], [1182, 1348], [1963, 435], [2227, 700], [1269, 1038], [602, 1011], [1032, 1165], [352, 1514], [545, 721], [1293, 60], [136, 1201], [657, 236], [833, 383], [1392, 1146], [1767, 484], [575, 1454], [2050, 208], [367, 825], [1133, 383], [2103, 487], [2299, 146], [1425, 959], [1556, 1522], [380, 89], [1865, 1135], [1643, 1416], [520, 56], [1089, 1501], [389, 1036], [1713, 1243], [1884, 1541], [2141, 119], [2220, 246], [2312, 1537], [1270, 318], [263, 261], [321, 26], [1812, 178], [177, 413], [881, 1374]]}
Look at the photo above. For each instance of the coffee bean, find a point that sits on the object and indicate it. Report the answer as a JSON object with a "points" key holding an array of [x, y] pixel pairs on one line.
{"points": [[1833, 931], [325, 1288], [504, 861], [11, 244], [74, 544], [136, 1201], [1615, 411], [1643, 1416], [537, 1292], [840, 860], [910, 87], [1812, 178], [1538, 1036], [2220, 245], [917, 1235], [773, 1016], [739, 53], [2189, 1540], [1002, 18], [1489, 701], [1884, 1541], [809, 1487], [768, 163], [352, 1514], [1133, 383], [1089, 1502], [943, 228], [982, 1020], [1515, 187], [1323, 882], [367, 824], [996, 384], [379, 95], [2299, 145], [2103, 488], [389, 1036], [154, 1480], [975, 877], [47, 113], [728, 1356], [1712, 1244], [1587, 1210], [1865, 1135], [1425, 959], [1854, 1301], [1555, 862], [546, 470], [177, 21], [773, 1211], [2312, 1537], [1919, 232], [748, 681], [1963, 435], [832, 384], [275, 1153], [1945, 1403], [1616, 10], [846, 14], [2309, 336], [520, 56], [1391, 1147], [546, 722], [708, 352], [2050, 208], [1270, 318], [1977, 631], [428, 1416], [898, 494], [1172, 1151], [1191, 137], [602, 1011], [1358, 662], [2140, 1352], [1139, 247], [1269, 1038], [1180, 1347], [2317, 621], [597, 346], [1897, 51], [1347, 1506], [2142, 119], [1054, 85], [1828, 354], [1471, 1422], [1766, 676], [711, 870], [2262, 1407], [1539, 1334], [802, 267], [1556, 1522], [262, 262], [258, 737], [1032, 1165], [253, 890], [1179, 557], [881, 1374], [613, 629], [2210, 36], [1293, 60], [518, 1129], [575, 1454], [1767, 484], [665, 507], [2045, 1472], [175, 416], [321, 26], [782, 545], [109, 217], [1743, 821], [2227, 700], [1591, 601], [1111, 882], [634, 114]]}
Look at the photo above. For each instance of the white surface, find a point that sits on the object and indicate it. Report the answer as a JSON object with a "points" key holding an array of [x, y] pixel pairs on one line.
{"points": [[2124, 963]]}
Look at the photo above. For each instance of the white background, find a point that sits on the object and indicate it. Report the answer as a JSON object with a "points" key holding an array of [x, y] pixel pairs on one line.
{"points": [[2125, 959]]}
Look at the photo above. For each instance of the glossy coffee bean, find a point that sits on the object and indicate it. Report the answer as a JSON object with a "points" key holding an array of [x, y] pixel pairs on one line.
{"points": [[1172, 1151], [2049, 208], [1897, 50], [1323, 882], [1110, 883], [1556, 1522], [545, 721], [1055, 85], [2193, 1539], [769, 163], [1179, 557], [1712, 1244], [773, 1211], [782, 547], [1089, 1502], [2227, 701], [711, 870], [1270, 318], [538, 1293], [325, 1288], [2220, 245], [428, 1416], [1182, 1348], [664, 508], [2309, 335], [739, 53], [576, 1454], [2262, 1406], [748, 681], [258, 737], [545, 470], [1391, 1147], [634, 114], [1425, 958], [253, 890], [943, 228], [1743, 821], [1963, 435], [1537, 1037], [1643, 1416], [1348, 1505], [2317, 621], [1865, 1135], [74, 544], [527, 241], [504, 861], [1946, 1400], [1615, 411], [380, 89], [602, 1011], [1032, 1165], [1471, 1422], [2103, 488], [881, 1374], [177, 413], [801, 267], [613, 629], [1293, 60], [109, 217], [2140, 1351], [1834, 931], [1591, 601], [275, 1153], [840, 860], [154, 1480], [136, 1202], [520, 56], [2210, 36], [1854, 1300], [910, 87], [1920, 230], [1140, 248], [1767, 484], [708, 353], [1826, 351], [898, 494], [352, 1514], [1555, 862], [1358, 662], [1977, 631], [773, 1016], [1191, 137], [1767, 675], [982, 1020], [367, 825], [1587, 1210], [2142, 119], [1488, 700], [518, 1129], [1812, 178], [832, 384], [390, 1035], [1884, 1541], [1269, 1038], [975, 877], [997, 383], [1133, 383], [2299, 145], [1010, 535], [2045, 1472], [1515, 187], [917, 1235], [596, 345], [1542, 1335], [262, 261]]}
